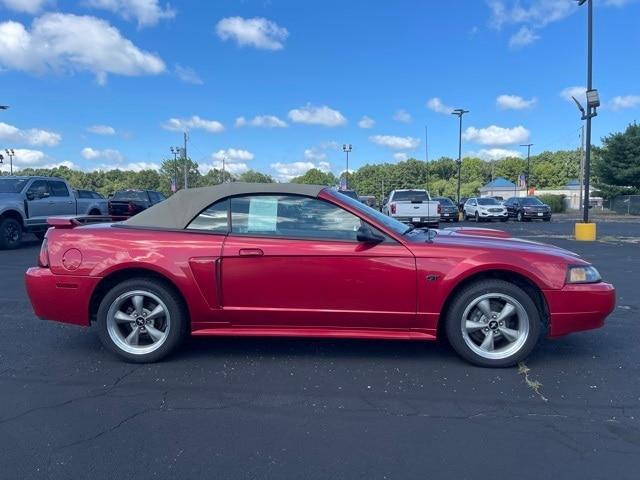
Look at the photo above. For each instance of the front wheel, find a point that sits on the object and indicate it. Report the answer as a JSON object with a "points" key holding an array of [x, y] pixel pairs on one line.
{"points": [[10, 234], [520, 217], [142, 320], [477, 218], [493, 323]]}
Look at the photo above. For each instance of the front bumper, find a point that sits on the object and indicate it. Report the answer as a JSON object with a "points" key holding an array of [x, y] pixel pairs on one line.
{"points": [[493, 214], [577, 307], [534, 215], [61, 298]]}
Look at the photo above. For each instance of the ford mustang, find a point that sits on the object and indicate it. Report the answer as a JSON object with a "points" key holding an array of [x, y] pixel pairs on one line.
{"points": [[308, 261]]}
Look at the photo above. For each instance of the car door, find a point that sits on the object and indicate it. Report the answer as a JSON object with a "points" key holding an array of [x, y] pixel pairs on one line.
{"points": [[37, 202], [61, 202], [294, 261], [470, 207]]}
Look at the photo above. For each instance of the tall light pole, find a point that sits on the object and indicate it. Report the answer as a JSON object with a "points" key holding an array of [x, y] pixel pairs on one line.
{"points": [[346, 148], [459, 112], [528, 175], [10, 153], [224, 160], [186, 162], [175, 151]]}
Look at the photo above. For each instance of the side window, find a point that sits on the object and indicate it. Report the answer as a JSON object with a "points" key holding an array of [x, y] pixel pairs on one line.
{"points": [[153, 197], [58, 189], [38, 189], [292, 216], [84, 194], [213, 219]]}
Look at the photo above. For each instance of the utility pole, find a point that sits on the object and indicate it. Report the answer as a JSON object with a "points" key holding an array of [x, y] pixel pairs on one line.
{"points": [[346, 148], [581, 173], [11, 153], [459, 112], [527, 176], [426, 155], [175, 151], [186, 162], [224, 158]]}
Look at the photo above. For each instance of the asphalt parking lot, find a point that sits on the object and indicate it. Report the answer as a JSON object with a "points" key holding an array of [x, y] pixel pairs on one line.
{"points": [[293, 408]]}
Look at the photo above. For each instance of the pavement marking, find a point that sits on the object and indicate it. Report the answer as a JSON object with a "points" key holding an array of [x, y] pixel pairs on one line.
{"points": [[533, 384]]}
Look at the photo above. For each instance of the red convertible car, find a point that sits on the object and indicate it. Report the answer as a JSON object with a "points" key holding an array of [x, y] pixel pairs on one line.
{"points": [[301, 260]]}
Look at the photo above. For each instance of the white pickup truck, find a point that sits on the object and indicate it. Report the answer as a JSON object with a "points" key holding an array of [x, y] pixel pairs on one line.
{"points": [[413, 206]]}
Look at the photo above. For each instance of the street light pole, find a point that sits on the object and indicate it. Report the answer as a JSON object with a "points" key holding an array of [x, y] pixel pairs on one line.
{"points": [[527, 176], [587, 159], [459, 112], [175, 151], [186, 162], [346, 148], [11, 153]]}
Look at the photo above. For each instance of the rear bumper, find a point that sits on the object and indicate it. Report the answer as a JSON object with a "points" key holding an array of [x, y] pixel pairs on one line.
{"points": [[579, 307], [418, 219], [61, 298]]}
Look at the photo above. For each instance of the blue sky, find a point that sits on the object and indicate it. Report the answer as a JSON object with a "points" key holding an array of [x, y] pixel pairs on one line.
{"points": [[279, 86]]}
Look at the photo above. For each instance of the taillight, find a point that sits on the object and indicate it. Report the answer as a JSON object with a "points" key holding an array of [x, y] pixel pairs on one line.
{"points": [[43, 257], [393, 208], [131, 207]]}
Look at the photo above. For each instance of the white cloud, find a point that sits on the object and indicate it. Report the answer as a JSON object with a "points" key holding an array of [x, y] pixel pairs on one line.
{"points": [[313, 115], [253, 32], [146, 12], [61, 42], [107, 154], [31, 136], [400, 156], [523, 37], [26, 158], [436, 105], [578, 92], [395, 143], [101, 129], [313, 154], [233, 155], [188, 75], [265, 121], [366, 122], [287, 171], [193, 123], [494, 135], [402, 116], [494, 153], [133, 166], [623, 102], [234, 168], [25, 6], [538, 12], [514, 102]]}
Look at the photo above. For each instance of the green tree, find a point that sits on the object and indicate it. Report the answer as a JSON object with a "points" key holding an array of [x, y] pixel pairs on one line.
{"points": [[252, 176], [316, 177], [618, 162]]}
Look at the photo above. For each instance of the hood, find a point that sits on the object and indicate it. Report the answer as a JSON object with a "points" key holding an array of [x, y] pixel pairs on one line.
{"points": [[499, 240], [11, 196]]}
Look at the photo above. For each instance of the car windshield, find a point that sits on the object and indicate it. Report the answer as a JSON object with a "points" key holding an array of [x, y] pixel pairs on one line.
{"points": [[445, 201], [410, 195], [12, 185], [367, 211], [131, 196], [488, 201], [531, 201]]}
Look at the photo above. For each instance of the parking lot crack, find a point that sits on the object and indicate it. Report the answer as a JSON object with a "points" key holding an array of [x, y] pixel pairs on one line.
{"points": [[534, 385]]}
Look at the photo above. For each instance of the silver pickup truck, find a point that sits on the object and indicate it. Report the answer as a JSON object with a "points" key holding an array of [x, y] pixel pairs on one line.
{"points": [[26, 202]]}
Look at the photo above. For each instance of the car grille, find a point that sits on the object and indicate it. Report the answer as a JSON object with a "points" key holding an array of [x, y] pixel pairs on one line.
{"points": [[495, 210]]}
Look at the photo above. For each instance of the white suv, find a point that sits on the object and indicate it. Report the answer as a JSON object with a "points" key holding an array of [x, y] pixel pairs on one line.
{"points": [[482, 209]]}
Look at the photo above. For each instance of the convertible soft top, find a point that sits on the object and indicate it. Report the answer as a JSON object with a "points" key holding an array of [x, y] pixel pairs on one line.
{"points": [[178, 210]]}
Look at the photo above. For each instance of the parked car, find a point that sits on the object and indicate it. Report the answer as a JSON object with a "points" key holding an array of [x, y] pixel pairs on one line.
{"points": [[448, 210], [485, 209], [349, 193], [413, 206], [127, 203], [369, 200], [26, 202], [304, 260], [525, 209]]}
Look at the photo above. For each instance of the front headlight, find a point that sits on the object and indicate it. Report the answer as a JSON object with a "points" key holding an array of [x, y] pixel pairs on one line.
{"points": [[583, 274]]}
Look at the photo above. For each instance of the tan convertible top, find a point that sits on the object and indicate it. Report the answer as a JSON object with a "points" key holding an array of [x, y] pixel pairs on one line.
{"points": [[178, 210]]}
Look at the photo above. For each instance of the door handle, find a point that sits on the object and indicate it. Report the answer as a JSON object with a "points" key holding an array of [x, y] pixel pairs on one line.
{"points": [[250, 252]]}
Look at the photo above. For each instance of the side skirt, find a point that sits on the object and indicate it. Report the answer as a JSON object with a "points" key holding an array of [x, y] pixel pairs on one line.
{"points": [[417, 334]]}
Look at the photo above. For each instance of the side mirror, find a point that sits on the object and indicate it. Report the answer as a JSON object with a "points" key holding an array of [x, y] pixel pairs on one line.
{"points": [[30, 195], [366, 234]]}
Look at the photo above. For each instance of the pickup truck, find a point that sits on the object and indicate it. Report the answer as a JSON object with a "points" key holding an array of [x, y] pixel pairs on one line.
{"points": [[26, 202], [413, 206]]}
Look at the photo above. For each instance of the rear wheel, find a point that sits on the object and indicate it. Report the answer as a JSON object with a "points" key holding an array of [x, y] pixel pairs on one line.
{"points": [[142, 320], [10, 234], [493, 323], [95, 212]]}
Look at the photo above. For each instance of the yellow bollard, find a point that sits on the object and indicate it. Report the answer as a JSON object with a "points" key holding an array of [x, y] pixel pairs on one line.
{"points": [[461, 216], [585, 232]]}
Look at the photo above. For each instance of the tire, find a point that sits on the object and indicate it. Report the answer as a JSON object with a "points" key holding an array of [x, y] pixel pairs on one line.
{"points": [[40, 235], [10, 234], [524, 325], [477, 217], [520, 217], [170, 326], [504, 219], [546, 219], [454, 220], [95, 212]]}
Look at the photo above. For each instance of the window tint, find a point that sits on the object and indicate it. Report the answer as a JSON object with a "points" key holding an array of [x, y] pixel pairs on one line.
{"points": [[213, 219], [58, 189], [487, 201], [84, 194], [96, 195], [39, 188], [131, 196], [410, 196], [292, 216], [529, 201]]}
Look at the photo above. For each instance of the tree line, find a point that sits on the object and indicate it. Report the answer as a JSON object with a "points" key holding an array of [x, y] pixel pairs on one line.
{"points": [[616, 170]]}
